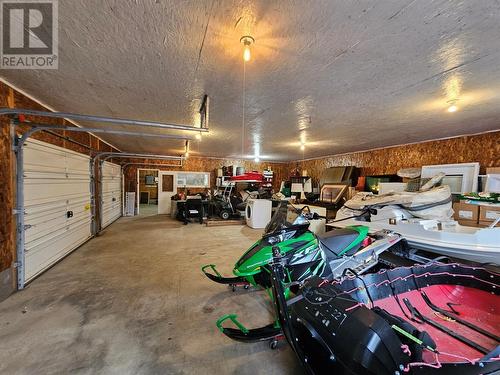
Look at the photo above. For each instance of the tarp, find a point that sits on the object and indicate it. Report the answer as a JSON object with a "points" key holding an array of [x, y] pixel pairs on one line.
{"points": [[432, 204]]}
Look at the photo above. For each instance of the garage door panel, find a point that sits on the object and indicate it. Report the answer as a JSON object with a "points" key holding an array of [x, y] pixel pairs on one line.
{"points": [[42, 157], [56, 182], [48, 237], [111, 193], [48, 252], [39, 191], [75, 165], [44, 225]]}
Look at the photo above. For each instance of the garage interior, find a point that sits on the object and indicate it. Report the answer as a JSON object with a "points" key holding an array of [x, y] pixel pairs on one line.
{"points": [[172, 134]]}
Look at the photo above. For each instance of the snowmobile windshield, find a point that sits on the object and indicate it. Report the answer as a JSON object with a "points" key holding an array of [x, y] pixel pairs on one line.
{"points": [[284, 217]]}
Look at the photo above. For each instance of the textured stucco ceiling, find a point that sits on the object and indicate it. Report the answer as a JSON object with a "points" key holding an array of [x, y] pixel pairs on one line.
{"points": [[343, 75]]}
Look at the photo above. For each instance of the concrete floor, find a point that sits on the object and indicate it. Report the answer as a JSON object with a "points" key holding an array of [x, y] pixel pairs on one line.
{"points": [[134, 301], [148, 209]]}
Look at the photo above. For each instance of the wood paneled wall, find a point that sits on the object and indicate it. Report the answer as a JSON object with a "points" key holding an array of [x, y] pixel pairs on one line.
{"points": [[483, 148], [6, 190]]}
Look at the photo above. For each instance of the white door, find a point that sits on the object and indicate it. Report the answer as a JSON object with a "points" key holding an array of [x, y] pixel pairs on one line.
{"points": [[167, 188], [111, 193], [56, 202]]}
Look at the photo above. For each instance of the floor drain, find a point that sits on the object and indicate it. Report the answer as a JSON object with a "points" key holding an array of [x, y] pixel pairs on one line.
{"points": [[208, 309]]}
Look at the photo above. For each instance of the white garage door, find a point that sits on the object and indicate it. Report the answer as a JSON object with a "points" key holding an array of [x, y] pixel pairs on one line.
{"points": [[57, 204], [111, 193]]}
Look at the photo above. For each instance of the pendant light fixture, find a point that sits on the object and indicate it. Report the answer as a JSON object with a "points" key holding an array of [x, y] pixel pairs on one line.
{"points": [[247, 41]]}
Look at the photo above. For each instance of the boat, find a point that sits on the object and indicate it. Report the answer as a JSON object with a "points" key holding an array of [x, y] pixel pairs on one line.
{"points": [[430, 228], [435, 318]]}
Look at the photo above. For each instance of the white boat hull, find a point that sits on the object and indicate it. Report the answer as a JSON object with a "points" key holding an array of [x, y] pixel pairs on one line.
{"points": [[481, 245]]}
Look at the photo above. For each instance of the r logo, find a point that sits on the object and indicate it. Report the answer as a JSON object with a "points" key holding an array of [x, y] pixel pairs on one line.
{"points": [[29, 27]]}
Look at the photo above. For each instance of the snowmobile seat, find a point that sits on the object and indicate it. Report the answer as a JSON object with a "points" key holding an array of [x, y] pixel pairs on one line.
{"points": [[337, 240]]}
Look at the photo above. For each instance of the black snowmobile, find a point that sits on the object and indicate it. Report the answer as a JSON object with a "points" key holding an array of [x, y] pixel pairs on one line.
{"points": [[426, 319], [349, 250]]}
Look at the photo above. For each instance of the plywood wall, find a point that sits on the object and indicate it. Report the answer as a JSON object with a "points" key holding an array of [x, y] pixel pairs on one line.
{"points": [[6, 188], [484, 148]]}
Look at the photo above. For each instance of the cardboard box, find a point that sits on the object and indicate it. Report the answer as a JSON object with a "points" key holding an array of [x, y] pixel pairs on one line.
{"points": [[484, 224], [493, 170], [489, 212], [465, 211], [468, 223]]}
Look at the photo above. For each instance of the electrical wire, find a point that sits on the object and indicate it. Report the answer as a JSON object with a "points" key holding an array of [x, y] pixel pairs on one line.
{"points": [[396, 297], [243, 110]]}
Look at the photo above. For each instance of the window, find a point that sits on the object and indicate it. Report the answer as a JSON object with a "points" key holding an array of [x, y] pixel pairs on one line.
{"points": [[193, 179], [167, 183]]}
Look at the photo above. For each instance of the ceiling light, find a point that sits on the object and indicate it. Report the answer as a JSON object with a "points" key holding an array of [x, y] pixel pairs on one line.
{"points": [[247, 40], [256, 159], [186, 155], [452, 105], [198, 136], [302, 147]]}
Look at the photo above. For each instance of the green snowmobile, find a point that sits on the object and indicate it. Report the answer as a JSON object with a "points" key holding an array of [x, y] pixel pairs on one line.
{"points": [[331, 255], [287, 229], [307, 254]]}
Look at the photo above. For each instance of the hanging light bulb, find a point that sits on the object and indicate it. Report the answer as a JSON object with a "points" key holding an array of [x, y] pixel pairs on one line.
{"points": [[453, 105], [256, 159], [246, 54], [186, 149], [247, 41], [302, 146], [198, 137]]}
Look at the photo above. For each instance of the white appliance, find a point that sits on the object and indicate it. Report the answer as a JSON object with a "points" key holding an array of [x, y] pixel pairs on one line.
{"points": [[258, 212]]}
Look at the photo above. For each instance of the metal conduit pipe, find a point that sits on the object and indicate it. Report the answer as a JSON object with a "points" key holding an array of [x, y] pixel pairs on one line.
{"points": [[124, 166], [111, 155], [19, 210], [112, 120], [105, 131]]}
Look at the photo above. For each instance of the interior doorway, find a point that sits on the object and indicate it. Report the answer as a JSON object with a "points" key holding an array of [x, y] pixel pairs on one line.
{"points": [[147, 192], [167, 188]]}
